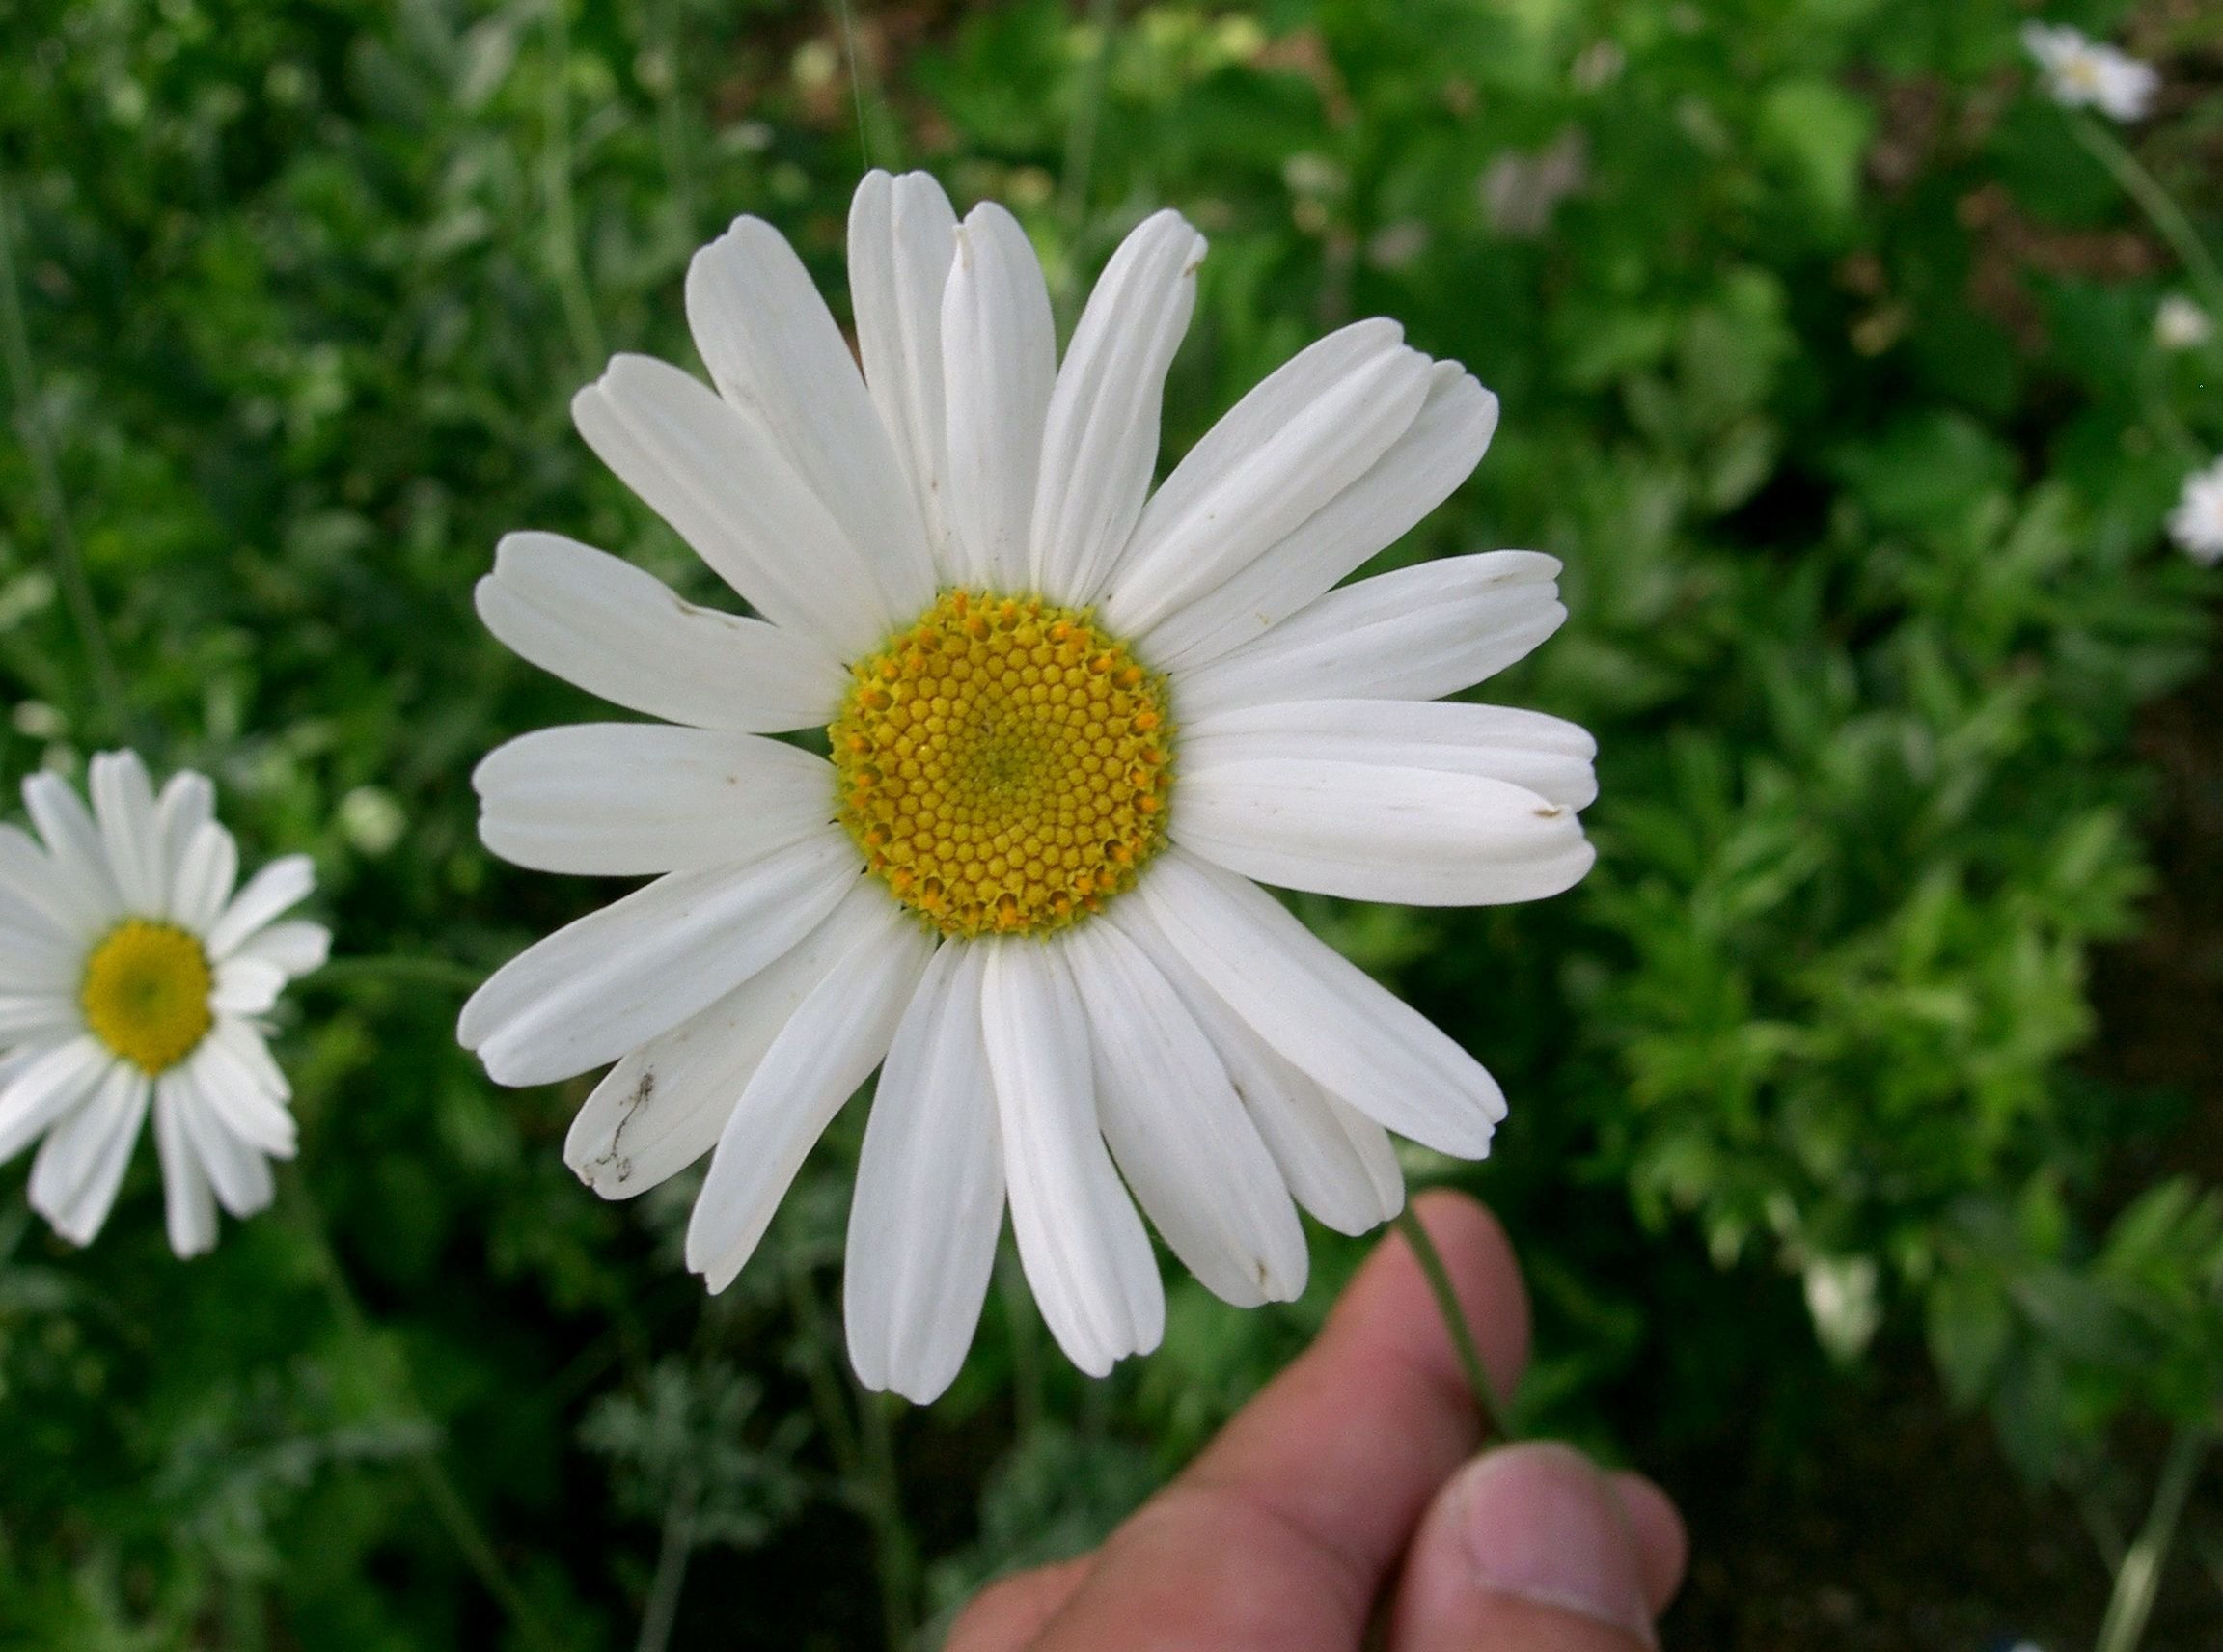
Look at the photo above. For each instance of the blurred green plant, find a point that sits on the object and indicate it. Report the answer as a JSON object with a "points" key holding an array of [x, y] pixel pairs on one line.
{"points": [[1828, 359]]}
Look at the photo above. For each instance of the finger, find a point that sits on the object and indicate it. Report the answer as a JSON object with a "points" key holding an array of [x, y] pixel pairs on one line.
{"points": [[1278, 1537], [1660, 1535], [1008, 1614], [1528, 1549]]}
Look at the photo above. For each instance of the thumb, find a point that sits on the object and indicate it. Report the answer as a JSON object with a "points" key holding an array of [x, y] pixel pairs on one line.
{"points": [[1530, 1549]]}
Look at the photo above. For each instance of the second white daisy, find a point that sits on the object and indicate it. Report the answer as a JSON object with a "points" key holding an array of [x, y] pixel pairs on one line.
{"points": [[132, 974], [1070, 721]]}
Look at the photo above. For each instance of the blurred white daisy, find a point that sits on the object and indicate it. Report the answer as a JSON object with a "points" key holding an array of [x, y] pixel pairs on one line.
{"points": [[2197, 522], [2082, 72], [1012, 880], [130, 972], [2180, 324]]}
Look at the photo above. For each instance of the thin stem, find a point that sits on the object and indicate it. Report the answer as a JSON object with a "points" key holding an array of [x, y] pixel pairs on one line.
{"points": [[2140, 1574], [857, 1432], [826, 1397], [2101, 1527], [563, 215], [471, 1542], [882, 1493], [1088, 114], [1028, 1405], [47, 471], [672, 1555], [1455, 1321], [2157, 204], [447, 1504], [856, 81], [672, 131], [397, 967]]}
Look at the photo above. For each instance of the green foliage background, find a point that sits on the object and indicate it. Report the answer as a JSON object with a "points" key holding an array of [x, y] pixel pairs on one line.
{"points": [[1827, 369]]}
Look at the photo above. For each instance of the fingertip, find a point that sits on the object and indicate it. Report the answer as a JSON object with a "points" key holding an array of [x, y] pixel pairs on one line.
{"points": [[1661, 1537], [1010, 1613], [1527, 1547]]}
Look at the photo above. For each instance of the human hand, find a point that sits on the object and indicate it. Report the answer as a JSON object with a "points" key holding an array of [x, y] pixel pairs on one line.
{"points": [[1351, 1470]]}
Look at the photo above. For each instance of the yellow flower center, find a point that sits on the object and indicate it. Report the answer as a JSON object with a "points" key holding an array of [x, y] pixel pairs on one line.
{"points": [[146, 993], [1003, 764]]}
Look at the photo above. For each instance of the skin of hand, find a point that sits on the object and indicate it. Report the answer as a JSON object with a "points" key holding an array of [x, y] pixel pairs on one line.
{"points": [[1353, 1475]]}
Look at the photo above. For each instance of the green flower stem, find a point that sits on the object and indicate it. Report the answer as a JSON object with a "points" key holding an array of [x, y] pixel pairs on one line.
{"points": [[674, 136], [1455, 1321], [46, 472], [863, 1445], [563, 246], [432, 1476], [848, 22], [1029, 1404], [882, 1493], [673, 1553], [2158, 205], [2139, 1575], [1088, 114]]}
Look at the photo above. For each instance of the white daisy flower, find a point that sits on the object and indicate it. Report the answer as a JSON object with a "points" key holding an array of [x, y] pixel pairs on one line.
{"points": [[2180, 324], [2197, 522], [2082, 72], [129, 972], [1012, 881]]}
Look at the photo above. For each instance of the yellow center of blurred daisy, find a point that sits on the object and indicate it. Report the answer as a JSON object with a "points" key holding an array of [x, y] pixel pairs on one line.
{"points": [[1003, 764], [146, 993]]}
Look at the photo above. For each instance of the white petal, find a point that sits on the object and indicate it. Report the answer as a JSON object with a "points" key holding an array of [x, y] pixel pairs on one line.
{"points": [[641, 965], [188, 802], [48, 1088], [206, 871], [1547, 755], [237, 1092], [999, 364], [829, 1047], [625, 635], [295, 948], [1100, 444], [773, 350], [1321, 1012], [82, 878], [664, 1106], [719, 478], [902, 235], [1413, 634], [242, 1042], [1338, 1163], [285, 882], [1085, 1254], [38, 898], [622, 799], [239, 1175], [1303, 435], [1178, 1130], [246, 986], [43, 1017], [36, 961], [929, 1196], [1367, 831], [81, 1163], [189, 1205], [1444, 442], [124, 805]]}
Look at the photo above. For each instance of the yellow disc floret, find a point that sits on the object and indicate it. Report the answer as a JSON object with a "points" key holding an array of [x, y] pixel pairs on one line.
{"points": [[1004, 765], [146, 993]]}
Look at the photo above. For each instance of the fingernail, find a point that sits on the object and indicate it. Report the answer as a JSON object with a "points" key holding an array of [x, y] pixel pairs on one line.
{"points": [[1542, 1524]]}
